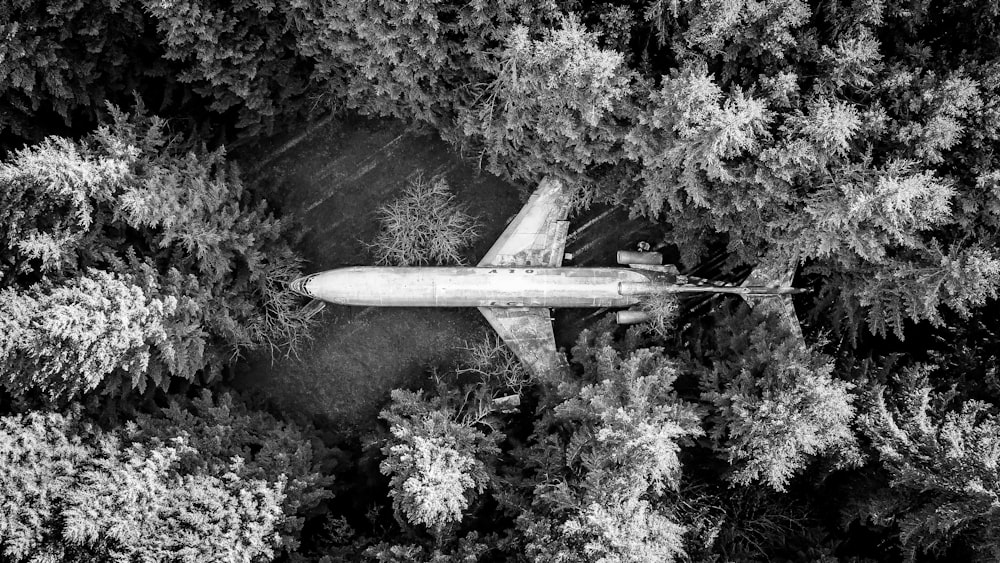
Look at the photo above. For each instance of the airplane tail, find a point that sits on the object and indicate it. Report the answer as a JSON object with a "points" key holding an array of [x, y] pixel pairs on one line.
{"points": [[774, 276]]}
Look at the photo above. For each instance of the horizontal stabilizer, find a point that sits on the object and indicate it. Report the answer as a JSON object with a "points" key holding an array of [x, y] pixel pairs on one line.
{"points": [[770, 275], [782, 306], [774, 275]]}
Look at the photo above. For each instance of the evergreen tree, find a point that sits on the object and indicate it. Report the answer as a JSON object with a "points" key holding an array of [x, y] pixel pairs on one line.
{"points": [[222, 428], [757, 34], [414, 59], [776, 402], [942, 464], [72, 492], [551, 106], [243, 59], [67, 58], [690, 139], [436, 463], [603, 459], [71, 338], [163, 216]]}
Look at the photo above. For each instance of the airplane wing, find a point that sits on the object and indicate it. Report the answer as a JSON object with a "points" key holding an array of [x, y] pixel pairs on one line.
{"points": [[536, 237], [527, 331]]}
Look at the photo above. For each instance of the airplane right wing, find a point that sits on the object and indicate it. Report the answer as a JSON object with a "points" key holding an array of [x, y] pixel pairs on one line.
{"points": [[527, 331]]}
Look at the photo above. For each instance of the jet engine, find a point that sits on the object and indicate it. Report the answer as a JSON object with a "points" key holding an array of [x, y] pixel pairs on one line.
{"points": [[628, 257], [632, 316]]}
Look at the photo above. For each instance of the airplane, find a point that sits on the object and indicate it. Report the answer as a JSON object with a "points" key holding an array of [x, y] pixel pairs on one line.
{"points": [[522, 277]]}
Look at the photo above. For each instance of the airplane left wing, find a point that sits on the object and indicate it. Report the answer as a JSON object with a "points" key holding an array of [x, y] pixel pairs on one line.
{"points": [[537, 235], [528, 333]]}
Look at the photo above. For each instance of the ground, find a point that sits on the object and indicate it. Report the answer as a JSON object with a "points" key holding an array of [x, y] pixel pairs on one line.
{"points": [[331, 178]]}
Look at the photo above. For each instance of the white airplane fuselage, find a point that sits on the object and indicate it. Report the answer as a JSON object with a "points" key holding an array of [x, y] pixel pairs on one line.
{"points": [[471, 287], [493, 286]]}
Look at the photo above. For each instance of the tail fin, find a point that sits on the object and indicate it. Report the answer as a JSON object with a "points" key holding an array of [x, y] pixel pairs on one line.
{"points": [[773, 274]]}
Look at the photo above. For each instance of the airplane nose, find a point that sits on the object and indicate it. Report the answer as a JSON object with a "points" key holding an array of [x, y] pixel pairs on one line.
{"points": [[299, 286]]}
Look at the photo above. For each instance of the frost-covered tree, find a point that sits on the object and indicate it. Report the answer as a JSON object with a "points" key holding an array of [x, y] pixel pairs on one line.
{"points": [[437, 465], [163, 216], [605, 456], [776, 403], [70, 338], [72, 492], [943, 465]]}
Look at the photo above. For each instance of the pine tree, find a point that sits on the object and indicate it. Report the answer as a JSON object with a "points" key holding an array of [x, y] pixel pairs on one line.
{"points": [[164, 215], [72, 492], [65, 59], [749, 32], [690, 139], [222, 428], [243, 59], [605, 456], [551, 105], [413, 59], [777, 404], [71, 338], [437, 465], [943, 464]]}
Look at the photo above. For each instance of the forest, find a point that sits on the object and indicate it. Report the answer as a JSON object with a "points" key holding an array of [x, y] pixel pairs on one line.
{"points": [[139, 260]]}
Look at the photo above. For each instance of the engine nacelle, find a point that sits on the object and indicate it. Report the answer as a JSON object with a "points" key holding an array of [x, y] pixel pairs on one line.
{"points": [[632, 316], [626, 257]]}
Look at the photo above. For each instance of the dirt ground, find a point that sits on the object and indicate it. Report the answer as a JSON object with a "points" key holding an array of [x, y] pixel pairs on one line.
{"points": [[331, 177]]}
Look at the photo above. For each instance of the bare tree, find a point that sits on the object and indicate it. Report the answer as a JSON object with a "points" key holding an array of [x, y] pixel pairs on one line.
{"points": [[487, 379], [663, 309], [425, 226], [284, 324]]}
